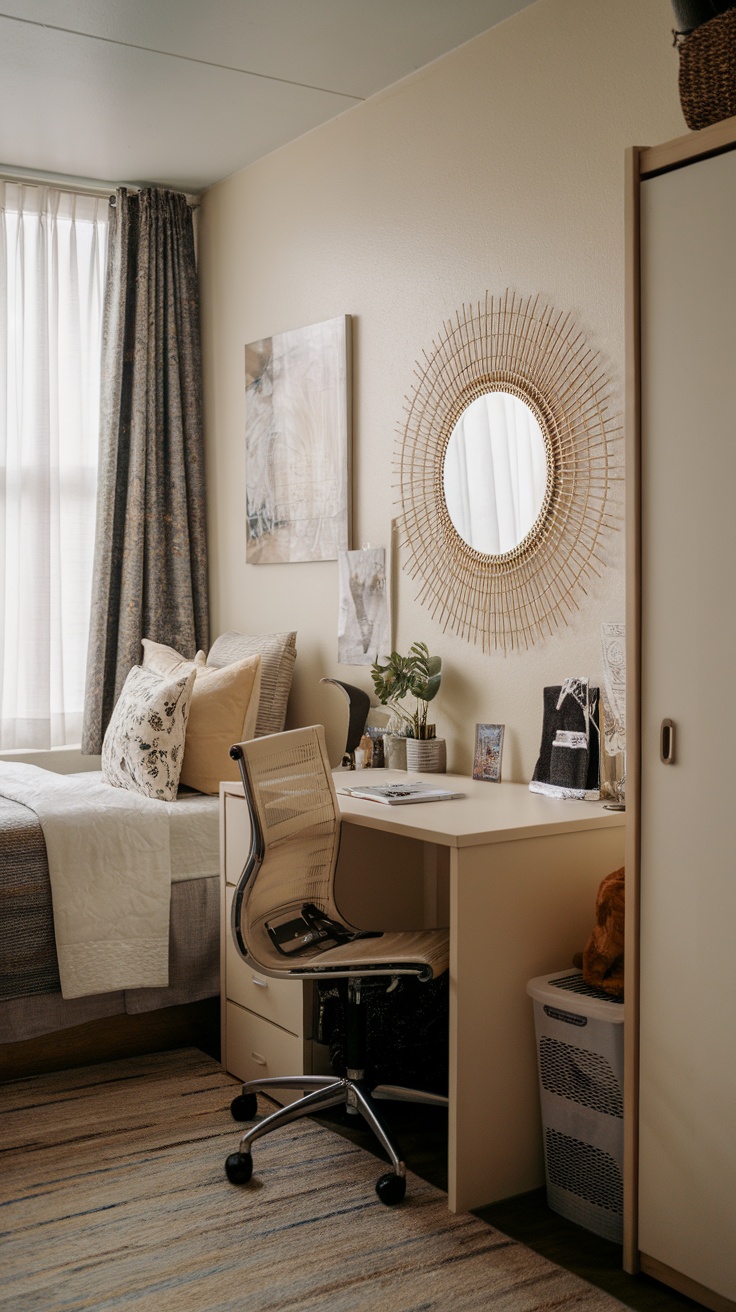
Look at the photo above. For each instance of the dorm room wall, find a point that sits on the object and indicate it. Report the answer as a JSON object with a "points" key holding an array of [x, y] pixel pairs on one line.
{"points": [[500, 165]]}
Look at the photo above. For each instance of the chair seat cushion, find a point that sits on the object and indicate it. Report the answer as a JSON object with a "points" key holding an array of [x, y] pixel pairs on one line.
{"points": [[425, 952]]}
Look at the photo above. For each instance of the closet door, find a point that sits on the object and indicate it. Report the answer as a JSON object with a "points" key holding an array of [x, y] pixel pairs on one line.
{"points": [[687, 1159]]}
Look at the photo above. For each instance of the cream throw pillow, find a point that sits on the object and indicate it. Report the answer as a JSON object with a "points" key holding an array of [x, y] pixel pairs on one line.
{"points": [[165, 661], [223, 711], [143, 747]]}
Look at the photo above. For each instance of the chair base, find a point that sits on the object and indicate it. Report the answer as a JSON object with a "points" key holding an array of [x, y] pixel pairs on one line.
{"points": [[324, 1092]]}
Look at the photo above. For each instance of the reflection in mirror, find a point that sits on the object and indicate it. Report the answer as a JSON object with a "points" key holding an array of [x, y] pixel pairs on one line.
{"points": [[495, 473]]}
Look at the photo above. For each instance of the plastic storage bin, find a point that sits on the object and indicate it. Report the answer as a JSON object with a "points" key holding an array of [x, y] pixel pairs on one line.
{"points": [[580, 1056]]}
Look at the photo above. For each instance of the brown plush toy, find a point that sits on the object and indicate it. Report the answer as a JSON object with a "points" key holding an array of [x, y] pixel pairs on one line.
{"points": [[603, 959]]}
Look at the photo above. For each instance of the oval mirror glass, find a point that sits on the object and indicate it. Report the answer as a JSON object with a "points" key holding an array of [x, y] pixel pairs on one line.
{"points": [[495, 473]]}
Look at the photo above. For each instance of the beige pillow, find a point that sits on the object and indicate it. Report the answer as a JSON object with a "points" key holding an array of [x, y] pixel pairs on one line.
{"points": [[165, 661], [223, 711], [143, 747], [278, 654]]}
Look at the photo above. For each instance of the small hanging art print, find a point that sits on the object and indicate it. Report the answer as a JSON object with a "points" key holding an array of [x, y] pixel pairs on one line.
{"points": [[363, 634]]}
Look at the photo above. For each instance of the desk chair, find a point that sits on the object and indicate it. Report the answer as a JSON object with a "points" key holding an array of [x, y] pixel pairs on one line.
{"points": [[286, 924]]}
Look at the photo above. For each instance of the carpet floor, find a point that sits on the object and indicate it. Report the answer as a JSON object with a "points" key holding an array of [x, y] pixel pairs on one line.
{"points": [[113, 1195]]}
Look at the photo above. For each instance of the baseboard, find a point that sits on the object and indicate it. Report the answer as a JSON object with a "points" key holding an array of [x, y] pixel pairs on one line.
{"points": [[684, 1285], [196, 1024]]}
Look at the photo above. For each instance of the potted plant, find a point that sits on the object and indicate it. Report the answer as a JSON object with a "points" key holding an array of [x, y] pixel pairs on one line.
{"points": [[417, 675]]}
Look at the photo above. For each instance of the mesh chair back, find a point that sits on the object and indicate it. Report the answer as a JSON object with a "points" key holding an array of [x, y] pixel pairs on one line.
{"points": [[293, 803], [295, 822]]}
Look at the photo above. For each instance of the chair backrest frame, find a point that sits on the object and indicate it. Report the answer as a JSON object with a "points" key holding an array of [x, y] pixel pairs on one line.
{"points": [[253, 860], [258, 847]]}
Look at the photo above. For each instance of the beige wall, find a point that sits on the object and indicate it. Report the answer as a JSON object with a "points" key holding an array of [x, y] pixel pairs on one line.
{"points": [[501, 165]]}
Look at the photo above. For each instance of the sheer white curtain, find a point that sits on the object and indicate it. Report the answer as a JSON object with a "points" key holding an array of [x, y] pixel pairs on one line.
{"points": [[52, 265]]}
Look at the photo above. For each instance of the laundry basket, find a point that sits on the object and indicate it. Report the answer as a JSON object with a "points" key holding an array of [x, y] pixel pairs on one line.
{"points": [[580, 1056]]}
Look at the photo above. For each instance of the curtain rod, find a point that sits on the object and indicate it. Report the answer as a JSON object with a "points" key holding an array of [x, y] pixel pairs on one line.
{"points": [[82, 187]]}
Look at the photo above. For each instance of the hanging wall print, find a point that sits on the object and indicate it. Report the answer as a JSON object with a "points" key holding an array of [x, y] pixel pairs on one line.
{"points": [[363, 634], [297, 439]]}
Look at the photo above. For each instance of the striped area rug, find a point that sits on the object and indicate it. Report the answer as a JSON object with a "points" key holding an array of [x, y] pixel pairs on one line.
{"points": [[113, 1195]]}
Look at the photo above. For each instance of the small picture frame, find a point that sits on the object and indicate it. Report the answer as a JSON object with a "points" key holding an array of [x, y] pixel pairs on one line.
{"points": [[488, 752]]}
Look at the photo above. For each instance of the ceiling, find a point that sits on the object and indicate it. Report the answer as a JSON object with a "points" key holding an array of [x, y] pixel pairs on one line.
{"points": [[185, 92]]}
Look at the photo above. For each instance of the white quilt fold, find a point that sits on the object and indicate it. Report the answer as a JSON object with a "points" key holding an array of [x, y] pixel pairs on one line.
{"points": [[110, 867]]}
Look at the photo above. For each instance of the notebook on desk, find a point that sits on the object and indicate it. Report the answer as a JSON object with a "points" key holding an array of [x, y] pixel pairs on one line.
{"points": [[399, 794]]}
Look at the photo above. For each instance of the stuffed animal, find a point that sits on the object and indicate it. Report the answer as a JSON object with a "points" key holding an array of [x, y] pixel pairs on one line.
{"points": [[603, 959]]}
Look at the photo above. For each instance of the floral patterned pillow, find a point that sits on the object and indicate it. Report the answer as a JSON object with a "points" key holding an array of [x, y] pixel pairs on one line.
{"points": [[143, 748]]}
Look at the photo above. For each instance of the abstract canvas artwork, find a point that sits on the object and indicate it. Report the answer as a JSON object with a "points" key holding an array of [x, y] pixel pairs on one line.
{"points": [[297, 439], [363, 634]]}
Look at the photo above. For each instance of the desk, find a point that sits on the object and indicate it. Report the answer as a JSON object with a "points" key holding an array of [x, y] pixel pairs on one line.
{"points": [[523, 874], [515, 875]]}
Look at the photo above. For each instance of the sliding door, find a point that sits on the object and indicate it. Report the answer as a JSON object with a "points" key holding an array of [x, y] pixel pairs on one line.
{"points": [[687, 1146]]}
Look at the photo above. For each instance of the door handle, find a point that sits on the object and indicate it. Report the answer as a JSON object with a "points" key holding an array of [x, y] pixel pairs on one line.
{"points": [[667, 742]]}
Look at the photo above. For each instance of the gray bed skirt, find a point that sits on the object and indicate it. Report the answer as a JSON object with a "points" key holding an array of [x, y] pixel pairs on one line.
{"points": [[194, 973]]}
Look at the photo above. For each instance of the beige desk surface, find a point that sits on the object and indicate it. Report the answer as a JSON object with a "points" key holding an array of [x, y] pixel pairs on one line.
{"points": [[488, 813]]}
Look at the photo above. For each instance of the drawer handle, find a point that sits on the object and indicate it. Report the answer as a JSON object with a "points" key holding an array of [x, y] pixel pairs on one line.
{"points": [[258, 1059], [260, 983]]}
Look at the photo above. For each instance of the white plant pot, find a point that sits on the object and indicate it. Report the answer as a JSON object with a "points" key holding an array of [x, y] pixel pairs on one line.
{"points": [[426, 755]]}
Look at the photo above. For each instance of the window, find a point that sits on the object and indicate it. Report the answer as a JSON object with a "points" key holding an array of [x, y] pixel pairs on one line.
{"points": [[52, 268]]}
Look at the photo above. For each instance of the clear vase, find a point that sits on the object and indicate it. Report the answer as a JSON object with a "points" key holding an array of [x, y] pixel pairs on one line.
{"points": [[394, 747]]}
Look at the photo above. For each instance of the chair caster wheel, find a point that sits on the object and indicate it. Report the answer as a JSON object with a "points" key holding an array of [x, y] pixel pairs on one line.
{"points": [[391, 1189], [244, 1107], [239, 1168]]}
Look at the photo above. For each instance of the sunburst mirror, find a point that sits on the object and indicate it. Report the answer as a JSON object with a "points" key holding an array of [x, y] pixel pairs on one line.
{"points": [[505, 467]]}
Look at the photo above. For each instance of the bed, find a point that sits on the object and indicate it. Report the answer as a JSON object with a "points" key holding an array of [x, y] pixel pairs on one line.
{"points": [[40, 1028]]}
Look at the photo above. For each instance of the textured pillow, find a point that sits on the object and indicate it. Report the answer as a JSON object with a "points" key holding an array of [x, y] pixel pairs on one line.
{"points": [[165, 661], [143, 747], [223, 711], [278, 654]]}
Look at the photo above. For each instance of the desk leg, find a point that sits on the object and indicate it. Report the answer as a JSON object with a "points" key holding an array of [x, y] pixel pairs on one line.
{"points": [[517, 910], [430, 884]]}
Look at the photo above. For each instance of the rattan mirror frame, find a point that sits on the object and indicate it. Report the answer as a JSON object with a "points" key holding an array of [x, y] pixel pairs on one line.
{"points": [[534, 352]]}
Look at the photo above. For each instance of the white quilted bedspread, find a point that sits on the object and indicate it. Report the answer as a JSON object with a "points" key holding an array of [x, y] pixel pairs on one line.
{"points": [[110, 856]]}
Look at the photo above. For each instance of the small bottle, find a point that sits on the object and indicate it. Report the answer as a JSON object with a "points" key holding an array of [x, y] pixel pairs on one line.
{"points": [[359, 758]]}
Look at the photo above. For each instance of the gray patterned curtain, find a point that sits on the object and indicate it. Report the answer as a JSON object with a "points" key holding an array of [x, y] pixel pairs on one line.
{"points": [[150, 569]]}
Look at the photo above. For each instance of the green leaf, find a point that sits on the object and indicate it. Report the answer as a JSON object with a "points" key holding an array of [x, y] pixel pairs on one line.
{"points": [[418, 673]]}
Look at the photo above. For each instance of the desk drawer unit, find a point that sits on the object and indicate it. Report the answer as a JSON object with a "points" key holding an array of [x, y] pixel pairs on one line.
{"points": [[284, 1002], [257, 1048]]}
